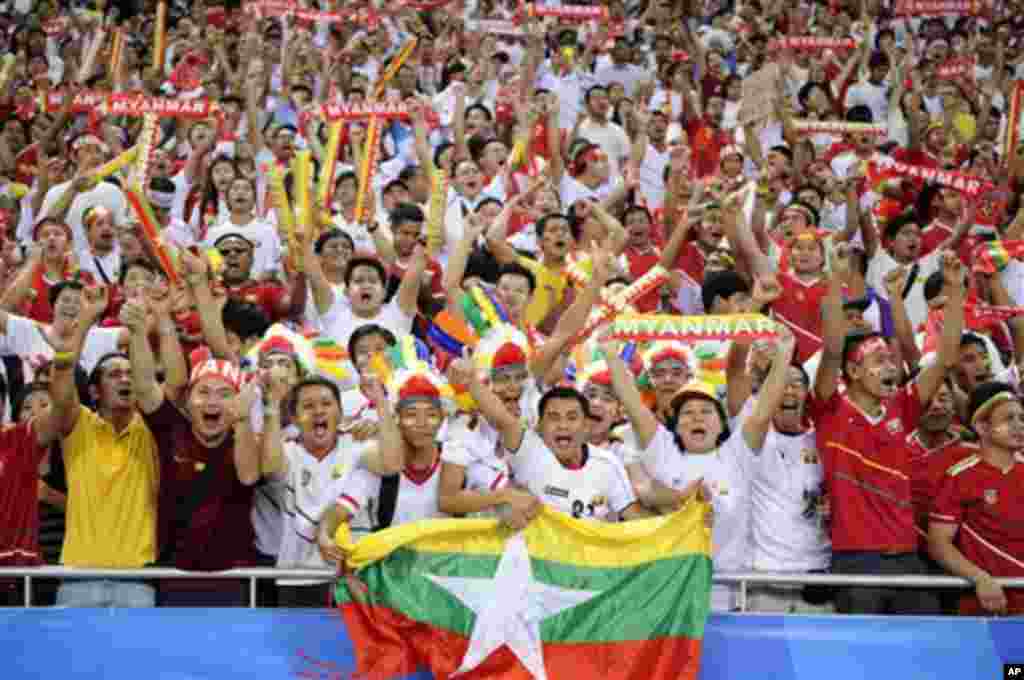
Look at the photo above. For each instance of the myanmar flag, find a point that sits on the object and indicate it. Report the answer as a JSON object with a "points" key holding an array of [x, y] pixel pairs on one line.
{"points": [[561, 599]]}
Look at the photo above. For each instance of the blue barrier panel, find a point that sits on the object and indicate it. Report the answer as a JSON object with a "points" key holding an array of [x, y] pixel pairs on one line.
{"points": [[229, 644]]}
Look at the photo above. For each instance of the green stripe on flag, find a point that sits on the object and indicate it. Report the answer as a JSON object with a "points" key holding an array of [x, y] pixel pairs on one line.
{"points": [[667, 598]]}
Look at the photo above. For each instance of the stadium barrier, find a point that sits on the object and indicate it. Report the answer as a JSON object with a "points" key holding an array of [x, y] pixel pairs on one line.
{"points": [[253, 576]]}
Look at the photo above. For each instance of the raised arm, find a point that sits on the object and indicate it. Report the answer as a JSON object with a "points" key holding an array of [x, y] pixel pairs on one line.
{"points": [[510, 429], [645, 425], [388, 457], [149, 395], [769, 399], [409, 288], [833, 327], [930, 379], [63, 391]]}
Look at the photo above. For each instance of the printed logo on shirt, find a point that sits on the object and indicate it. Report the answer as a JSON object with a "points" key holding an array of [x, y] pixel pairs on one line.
{"points": [[307, 477], [894, 426], [809, 456], [991, 496], [598, 501], [556, 492]]}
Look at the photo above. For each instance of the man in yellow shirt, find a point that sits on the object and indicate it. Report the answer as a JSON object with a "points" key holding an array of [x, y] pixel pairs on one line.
{"points": [[112, 471]]}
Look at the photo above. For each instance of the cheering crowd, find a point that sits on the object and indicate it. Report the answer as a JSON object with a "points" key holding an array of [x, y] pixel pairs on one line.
{"points": [[278, 273]]}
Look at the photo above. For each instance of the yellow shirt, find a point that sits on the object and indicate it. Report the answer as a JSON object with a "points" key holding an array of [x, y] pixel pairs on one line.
{"points": [[112, 494], [551, 285]]}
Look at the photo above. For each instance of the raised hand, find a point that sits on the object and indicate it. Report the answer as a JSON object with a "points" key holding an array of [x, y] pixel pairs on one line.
{"points": [[895, 281], [766, 290]]}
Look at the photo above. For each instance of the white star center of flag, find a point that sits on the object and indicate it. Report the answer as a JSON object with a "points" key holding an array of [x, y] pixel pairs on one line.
{"points": [[510, 608]]}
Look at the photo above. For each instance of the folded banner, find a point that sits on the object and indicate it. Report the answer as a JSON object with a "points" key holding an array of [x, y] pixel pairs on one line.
{"points": [[117, 104], [85, 101], [644, 327], [810, 43], [1011, 139], [494, 27], [469, 597], [814, 127], [977, 317], [923, 8], [569, 12], [618, 304], [971, 185], [957, 67]]}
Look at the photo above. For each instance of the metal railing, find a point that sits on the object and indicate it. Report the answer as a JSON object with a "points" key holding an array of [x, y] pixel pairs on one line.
{"points": [[743, 579]]}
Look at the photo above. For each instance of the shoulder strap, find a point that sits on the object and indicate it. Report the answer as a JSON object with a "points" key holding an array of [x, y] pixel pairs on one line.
{"points": [[914, 269], [387, 500]]}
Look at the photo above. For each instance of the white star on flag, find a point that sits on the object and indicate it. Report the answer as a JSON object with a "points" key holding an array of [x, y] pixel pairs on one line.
{"points": [[510, 608]]}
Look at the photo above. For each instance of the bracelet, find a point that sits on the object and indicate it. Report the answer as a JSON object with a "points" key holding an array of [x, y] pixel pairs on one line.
{"points": [[63, 358]]}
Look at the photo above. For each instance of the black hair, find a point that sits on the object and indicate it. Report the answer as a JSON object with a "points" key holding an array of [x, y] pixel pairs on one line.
{"points": [[809, 187], [244, 319], [933, 285], [136, 263], [859, 114], [591, 90], [982, 393], [672, 422], [96, 374], [312, 382], [348, 174], [365, 332], [18, 400], [67, 284], [363, 261], [617, 279], [330, 235], [516, 269], [723, 284], [486, 202], [480, 107], [440, 150], [542, 223], [969, 338], [815, 215], [851, 342], [784, 150], [634, 208], [394, 184], [563, 393], [405, 212], [893, 226], [408, 173]]}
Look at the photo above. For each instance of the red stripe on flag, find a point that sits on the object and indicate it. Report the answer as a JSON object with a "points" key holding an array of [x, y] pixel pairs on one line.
{"points": [[390, 645]]}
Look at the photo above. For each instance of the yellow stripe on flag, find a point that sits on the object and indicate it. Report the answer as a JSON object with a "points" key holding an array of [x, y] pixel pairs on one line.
{"points": [[552, 536]]}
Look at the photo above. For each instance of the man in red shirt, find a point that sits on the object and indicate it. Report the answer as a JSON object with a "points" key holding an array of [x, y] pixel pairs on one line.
{"points": [[707, 138], [977, 521], [277, 301], [209, 462], [407, 227], [861, 434]]}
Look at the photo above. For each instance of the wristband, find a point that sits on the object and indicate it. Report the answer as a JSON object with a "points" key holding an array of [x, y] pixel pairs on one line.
{"points": [[63, 359]]}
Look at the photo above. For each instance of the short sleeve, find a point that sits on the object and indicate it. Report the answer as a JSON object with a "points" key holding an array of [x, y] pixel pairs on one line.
{"points": [[620, 491], [456, 452], [947, 508], [655, 457], [18, 336], [78, 439]]}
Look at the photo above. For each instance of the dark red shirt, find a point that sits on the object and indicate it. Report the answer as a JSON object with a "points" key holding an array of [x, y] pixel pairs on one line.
{"points": [[706, 144], [867, 470], [203, 513], [929, 466], [987, 505], [20, 456]]}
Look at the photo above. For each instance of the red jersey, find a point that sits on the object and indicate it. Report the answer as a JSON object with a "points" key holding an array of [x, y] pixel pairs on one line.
{"points": [[988, 507], [398, 270], [691, 261], [267, 295], [706, 143], [929, 465], [934, 236], [203, 512], [866, 465], [20, 456], [639, 264], [799, 307]]}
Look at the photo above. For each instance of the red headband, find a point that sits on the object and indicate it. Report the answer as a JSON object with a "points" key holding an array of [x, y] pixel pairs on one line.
{"points": [[418, 387], [869, 347], [593, 153]]}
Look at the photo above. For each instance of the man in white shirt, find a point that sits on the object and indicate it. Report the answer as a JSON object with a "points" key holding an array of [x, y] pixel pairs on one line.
{"points": [[620, 70], [873, 92], [69, 200], [596, 129], [102, 259]]}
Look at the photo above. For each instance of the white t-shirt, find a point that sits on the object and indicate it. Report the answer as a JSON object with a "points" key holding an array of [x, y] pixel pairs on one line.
{"points": [[24, 338], [883, 263], [571, 190], [340, 322], [627, 75], [306, 483], [611, 139], [480, 453], [652, 176], [726, 472], [875, 97], [105, 269], [359, 495], [106, 194], [787, 533], [599, 489]]}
